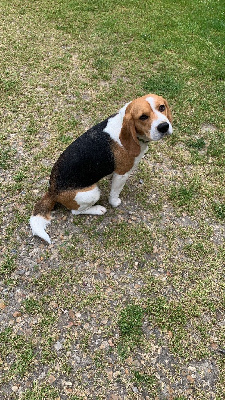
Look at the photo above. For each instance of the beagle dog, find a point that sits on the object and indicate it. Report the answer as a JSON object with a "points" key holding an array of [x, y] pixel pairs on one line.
{"points": [[114, 146]]}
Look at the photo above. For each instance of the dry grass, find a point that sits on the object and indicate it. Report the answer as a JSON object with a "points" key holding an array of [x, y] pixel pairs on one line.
{"points": [[129, 305]]}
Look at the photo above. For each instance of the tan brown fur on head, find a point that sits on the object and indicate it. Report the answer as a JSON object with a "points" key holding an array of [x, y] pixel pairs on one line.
{"points": [[128, 135], [138, 120], [133, 126], [159, 101], [168, 111]]}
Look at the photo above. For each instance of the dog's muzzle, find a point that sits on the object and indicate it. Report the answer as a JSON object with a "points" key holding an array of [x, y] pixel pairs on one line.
{"points": [[163, 128]]}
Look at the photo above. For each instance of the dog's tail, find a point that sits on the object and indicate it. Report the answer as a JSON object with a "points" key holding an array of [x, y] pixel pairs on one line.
{"points": [[42, 215]]}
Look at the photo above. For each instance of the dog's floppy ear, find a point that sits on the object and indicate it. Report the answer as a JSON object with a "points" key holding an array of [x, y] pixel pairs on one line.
{"points": [[128, 135], [169, 115]]}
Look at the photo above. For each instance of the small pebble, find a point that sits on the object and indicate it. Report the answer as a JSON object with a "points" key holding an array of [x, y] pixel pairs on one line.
{"points": [[2, 305], [58, 346], [104, 345], [51, 379], [190, 379], [71, 314], [17, 314], [68, 383]]}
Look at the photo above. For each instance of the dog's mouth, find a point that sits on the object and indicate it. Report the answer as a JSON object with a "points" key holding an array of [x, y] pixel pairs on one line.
{"points": [[166, 134], [143, 138]]}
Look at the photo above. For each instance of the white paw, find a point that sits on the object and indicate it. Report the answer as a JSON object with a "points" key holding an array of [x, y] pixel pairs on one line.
{"points": [[115, 202], [75, 212], [98, 210], [94, 210]]}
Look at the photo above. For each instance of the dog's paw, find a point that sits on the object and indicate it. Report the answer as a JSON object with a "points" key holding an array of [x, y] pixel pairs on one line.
{"points": [[115, 202], [94, 210], [98, 210], [75, 212]]}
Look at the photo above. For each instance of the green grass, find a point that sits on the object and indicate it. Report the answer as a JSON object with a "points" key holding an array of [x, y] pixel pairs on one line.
{"points": [[197, 144], [146, 381], [40, 392], [143, 378], [216, 148], [121, 236], [182, 195], [219, 210], [145, 279], [31, 306], [6, 152], [7, 266], [130, 321], [20, 350], [130, 327]]}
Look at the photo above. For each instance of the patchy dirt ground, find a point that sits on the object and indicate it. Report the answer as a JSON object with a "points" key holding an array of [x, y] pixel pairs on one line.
{"points": [[125, 306]]}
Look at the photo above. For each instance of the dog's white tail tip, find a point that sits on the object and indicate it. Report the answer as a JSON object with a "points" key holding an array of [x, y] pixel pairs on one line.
{"points": [[38, 225]]}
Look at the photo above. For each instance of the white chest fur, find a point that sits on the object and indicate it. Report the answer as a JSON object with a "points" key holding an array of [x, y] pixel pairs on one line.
{"points": [[114, 125], [144, 149]]}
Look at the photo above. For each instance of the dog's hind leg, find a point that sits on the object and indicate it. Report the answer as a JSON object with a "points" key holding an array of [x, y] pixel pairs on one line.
{"points": [[82, 201], [86, 200]]}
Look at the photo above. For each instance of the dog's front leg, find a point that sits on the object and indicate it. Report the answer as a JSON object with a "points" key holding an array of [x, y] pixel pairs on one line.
{"points": [[118, 182]]}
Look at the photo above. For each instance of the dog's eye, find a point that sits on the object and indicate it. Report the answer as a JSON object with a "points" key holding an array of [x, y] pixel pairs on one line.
{"points": [[162, 108], [143, 117]]}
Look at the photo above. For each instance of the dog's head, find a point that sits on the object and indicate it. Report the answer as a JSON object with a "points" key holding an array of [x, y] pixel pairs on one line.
{"points": [[146, 118]]}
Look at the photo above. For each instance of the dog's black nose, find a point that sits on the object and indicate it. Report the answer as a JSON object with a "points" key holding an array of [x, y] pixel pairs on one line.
{"points": [[163, 127]]}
